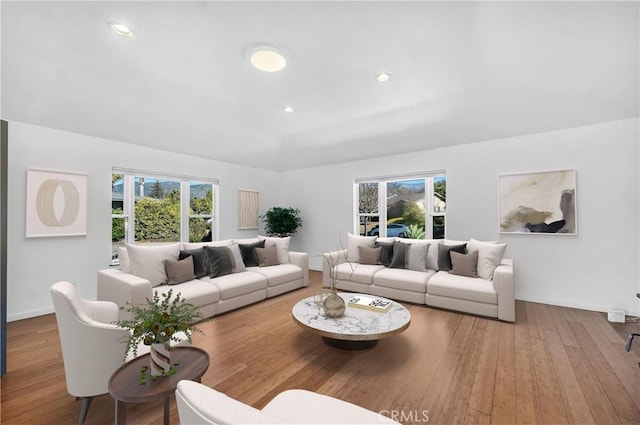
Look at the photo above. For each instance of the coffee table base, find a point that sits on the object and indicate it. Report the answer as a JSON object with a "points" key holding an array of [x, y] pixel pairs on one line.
{"points": [[350, 345]]}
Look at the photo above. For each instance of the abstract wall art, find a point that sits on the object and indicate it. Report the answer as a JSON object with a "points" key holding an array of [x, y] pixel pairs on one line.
{"points": [[56, 203], [541, 203], [247, 209]]}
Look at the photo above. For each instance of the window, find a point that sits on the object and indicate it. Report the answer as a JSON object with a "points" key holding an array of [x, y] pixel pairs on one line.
{"points": [[147, 208], [406, 207]]}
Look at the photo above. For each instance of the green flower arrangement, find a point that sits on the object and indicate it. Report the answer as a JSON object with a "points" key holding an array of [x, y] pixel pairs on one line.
{"points": [[159, 320]]}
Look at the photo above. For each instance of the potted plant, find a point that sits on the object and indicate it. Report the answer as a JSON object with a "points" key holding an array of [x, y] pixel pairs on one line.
{"points": [[281, 221], [161, 320]]}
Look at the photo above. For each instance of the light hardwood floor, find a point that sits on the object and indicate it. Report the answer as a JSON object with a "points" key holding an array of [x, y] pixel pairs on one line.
{"points": [[555, 365]]}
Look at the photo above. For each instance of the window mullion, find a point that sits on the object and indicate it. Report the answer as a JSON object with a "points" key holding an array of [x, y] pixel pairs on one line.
{"points": [[128, 198], [185, 207]]}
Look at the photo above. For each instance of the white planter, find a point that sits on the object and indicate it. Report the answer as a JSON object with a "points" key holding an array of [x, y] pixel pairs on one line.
{"points": [[160, 360]]}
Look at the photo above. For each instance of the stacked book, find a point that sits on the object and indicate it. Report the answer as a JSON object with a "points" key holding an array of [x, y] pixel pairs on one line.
{"points": [[370, 303]]}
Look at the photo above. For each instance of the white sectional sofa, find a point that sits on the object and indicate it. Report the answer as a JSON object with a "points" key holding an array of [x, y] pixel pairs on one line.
{"points": [[143, 270], [482, 286]]}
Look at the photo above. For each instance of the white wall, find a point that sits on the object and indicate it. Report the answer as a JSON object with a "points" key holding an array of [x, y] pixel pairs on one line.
{"points": [[36, 263], [598, 269]]}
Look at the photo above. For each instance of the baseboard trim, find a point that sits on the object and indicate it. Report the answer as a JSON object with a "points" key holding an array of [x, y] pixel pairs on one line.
{"points": [[29, 314]]}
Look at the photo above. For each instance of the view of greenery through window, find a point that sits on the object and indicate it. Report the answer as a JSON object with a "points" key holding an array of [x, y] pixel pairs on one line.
{"points": [[412, 208], [157, 212]]}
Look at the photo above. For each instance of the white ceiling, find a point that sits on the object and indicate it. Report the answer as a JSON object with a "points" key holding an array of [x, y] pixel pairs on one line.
{"points": [[462, 72]]}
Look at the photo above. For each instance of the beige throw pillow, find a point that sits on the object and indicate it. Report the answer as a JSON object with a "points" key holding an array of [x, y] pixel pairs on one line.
{"points": [[464, 264], [267, 256], [179, 271], [370, 255]]}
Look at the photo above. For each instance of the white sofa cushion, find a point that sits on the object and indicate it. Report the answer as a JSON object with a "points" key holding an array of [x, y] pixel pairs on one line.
{"points": [[279, 274], [281, 244], [461, 287], [147, 261], [195, 291], [362, 273], [490, 255], [236, 284], [407, 280], [354, 241]]}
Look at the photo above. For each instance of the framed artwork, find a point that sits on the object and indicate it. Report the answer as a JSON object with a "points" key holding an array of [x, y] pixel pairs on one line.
{"points": [[247, 209], [56, 203], [542, 203]]}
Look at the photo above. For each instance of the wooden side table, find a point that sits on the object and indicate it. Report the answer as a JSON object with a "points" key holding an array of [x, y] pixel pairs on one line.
{"points": [[124, 384]]}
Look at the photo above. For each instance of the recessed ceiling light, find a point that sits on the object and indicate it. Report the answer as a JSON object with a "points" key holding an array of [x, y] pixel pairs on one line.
{"points": [[288, 109], [268, 58], [121, 29], [381, 78]]}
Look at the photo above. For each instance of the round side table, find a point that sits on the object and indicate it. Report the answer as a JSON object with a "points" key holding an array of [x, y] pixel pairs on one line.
{"points": [[125, 387]]}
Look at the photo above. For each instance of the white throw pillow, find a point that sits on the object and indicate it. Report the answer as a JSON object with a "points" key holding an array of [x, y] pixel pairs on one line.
{"points": [[432, 253], [147, 261], [123, 258], [281, 244], [353, 242], [489, 256], [416, 256], [238, 264], [198, 245], [246, 241]]}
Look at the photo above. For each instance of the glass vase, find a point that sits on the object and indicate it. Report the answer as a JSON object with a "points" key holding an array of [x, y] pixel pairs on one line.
{"points": [[333, 305]]}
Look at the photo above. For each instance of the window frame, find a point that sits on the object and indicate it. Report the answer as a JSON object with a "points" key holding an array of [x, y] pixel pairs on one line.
{"points": [[382, 182], [129, 198]]}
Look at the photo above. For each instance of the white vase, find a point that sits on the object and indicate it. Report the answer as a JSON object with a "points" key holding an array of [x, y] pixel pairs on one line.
{"points": [[160, 359]]}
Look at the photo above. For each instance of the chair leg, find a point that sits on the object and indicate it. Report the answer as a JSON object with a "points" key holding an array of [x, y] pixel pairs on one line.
{"points": [[86, 402]]}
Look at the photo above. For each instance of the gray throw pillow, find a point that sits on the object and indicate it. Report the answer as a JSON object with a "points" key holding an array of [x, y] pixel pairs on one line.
{"points": [[386, 254], [219, 261], [267, 256], [179, 271], [444, 258], [199, 261], [464, 264], [248, 252], [398, 259], [369, 255]]}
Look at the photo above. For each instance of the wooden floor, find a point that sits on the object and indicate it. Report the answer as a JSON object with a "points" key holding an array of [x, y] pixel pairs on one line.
{"points": [[554, 366]]}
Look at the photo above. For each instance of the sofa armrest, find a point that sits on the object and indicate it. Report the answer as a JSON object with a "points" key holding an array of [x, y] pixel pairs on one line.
{"points": [[301, 259], [103, 311], [504, 286], [123, 288], [334, 258]]}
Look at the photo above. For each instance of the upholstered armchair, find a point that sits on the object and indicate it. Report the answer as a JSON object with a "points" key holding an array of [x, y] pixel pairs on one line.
{"points": [[201, 405], [92, 347]]}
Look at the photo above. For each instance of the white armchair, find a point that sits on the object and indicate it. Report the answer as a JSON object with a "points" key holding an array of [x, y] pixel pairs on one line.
{"points": [[92, 347], [201, 405]]}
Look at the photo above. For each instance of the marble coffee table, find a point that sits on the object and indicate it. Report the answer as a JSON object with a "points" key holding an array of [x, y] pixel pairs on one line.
{"points": [[357, 329]]}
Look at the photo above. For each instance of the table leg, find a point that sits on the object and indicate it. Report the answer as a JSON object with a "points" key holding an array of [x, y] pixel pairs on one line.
{"points": [[121, 412], [167, 414]]}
